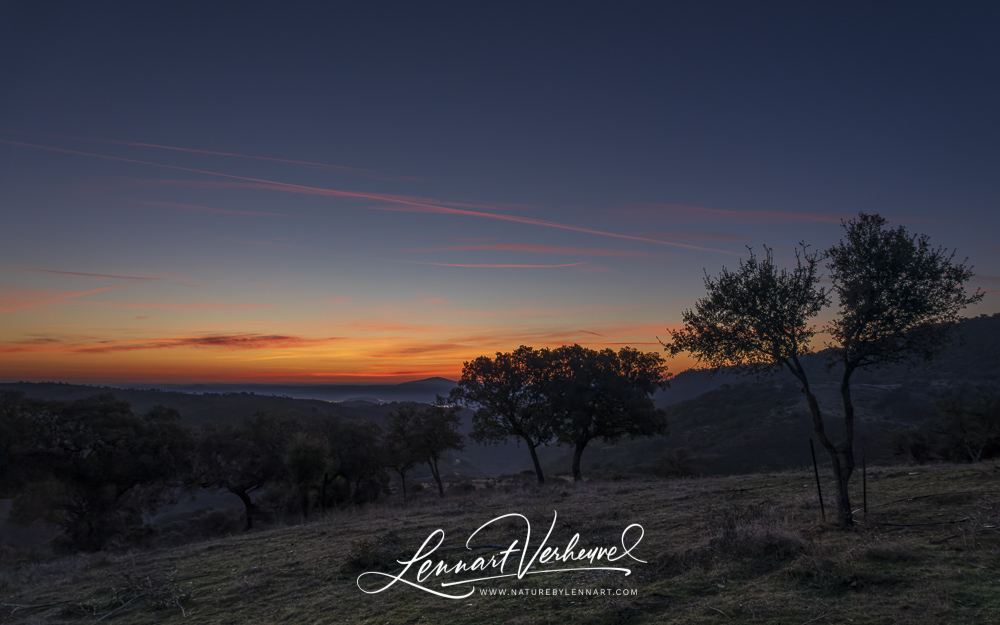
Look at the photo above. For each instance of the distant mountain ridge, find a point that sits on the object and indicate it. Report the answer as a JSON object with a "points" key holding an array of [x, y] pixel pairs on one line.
{"points": [[418, 390], [729, 423]]}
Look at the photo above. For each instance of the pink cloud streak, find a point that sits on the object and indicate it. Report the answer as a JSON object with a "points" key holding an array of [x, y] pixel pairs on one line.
{"points": [[192, 306], [540, 249], [21, 305], [370, 173], [414, 207], [218, 341], [484, 266], [410, 205], [88, 275], [753, 215]]}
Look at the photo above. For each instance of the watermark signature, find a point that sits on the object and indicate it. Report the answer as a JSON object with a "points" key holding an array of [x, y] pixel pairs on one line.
{"points": [[422, 572]]}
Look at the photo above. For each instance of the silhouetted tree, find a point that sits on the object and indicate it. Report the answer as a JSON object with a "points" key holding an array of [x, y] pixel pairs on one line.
{"points": [[241, 460], [756, 320], [95, 468], [360, 458], [422, 435], [16, 442], [399, 453], [435, 431], [899, 299], [306, 460], [969, 423], [508, 394], [603, 394], [897, 296]]}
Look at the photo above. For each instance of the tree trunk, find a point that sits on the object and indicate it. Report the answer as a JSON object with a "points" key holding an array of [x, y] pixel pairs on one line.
{"points": [[437, 475], [842, 466], [402, 478], [357, 489], [322, 494], [577, 454], [846, 449], [534, 458], [247, 504]]}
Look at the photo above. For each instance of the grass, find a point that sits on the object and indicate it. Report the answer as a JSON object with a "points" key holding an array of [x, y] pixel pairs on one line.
{"points": [[745, 549]]}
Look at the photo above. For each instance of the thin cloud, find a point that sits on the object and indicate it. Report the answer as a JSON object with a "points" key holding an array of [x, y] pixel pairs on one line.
{"points": [[369, 173], [696, 236], [213, 341], [752, 216], [208, 209], [484, 266], [191, 306], [416, 208], [86, 275], [434, 201], [266, 185], [540, 249], [51, 299], [406, 205], [676, 210]]}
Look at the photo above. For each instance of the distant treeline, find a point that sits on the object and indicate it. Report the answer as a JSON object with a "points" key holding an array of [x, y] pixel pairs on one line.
{"points": [[99, 470]]}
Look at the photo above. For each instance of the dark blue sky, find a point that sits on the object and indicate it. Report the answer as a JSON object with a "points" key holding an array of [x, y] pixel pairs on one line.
{"points": [[617, 123]]}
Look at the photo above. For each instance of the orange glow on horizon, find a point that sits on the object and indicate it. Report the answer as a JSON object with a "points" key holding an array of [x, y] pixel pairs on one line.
{"points": [[171, 361]]}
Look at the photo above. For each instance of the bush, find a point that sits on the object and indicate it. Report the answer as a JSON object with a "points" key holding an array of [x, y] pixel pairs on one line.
{"points": [[376, 553], [755, 533], [674, 463]]}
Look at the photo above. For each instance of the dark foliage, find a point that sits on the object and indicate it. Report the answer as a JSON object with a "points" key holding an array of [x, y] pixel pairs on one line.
{"points": [[95, 468]]}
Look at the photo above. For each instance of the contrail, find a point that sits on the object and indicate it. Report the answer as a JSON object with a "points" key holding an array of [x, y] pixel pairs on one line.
{"points": [[371, 196], [352, 170]]}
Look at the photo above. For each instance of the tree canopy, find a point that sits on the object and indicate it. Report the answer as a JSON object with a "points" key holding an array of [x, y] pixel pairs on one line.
{"points": [[95, 468], [508, 395], [756, 318], [897, 298], [424, 434], [604, 394]]}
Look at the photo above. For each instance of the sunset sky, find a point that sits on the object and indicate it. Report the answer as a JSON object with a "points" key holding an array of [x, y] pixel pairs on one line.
{"points": [[377, 192]]}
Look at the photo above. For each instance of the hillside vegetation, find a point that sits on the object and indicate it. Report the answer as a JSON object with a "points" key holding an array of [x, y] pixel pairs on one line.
{"points": [[722, 424], [748, 549]]}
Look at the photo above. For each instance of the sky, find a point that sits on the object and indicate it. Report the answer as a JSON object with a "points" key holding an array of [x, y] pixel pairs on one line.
{"points": [[380, 191]]}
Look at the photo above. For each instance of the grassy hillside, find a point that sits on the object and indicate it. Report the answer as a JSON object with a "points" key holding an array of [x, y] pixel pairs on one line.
{"points": [[748, 549]]}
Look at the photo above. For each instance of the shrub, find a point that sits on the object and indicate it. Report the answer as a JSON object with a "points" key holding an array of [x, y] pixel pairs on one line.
{"points": [[755, 533], [674, 463], [374, 553]]}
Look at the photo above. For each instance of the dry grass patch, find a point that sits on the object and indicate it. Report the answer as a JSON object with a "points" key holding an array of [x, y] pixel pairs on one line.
{"points": [[747, 549]]}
